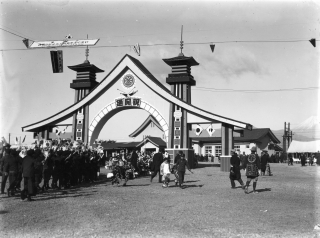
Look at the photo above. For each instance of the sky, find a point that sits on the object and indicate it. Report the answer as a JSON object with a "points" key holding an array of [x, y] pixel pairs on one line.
{"points": [[270, 79]]}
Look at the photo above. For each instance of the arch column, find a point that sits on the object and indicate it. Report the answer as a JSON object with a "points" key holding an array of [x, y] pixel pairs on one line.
{"points": [[227, 143]]}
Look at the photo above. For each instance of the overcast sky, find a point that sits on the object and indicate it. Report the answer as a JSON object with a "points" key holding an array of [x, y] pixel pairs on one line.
{"points": [[30, 91]]}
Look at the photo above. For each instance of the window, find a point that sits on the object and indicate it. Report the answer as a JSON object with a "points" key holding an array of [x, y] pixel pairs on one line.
{"points": [[218, 150], [208, 150], [237, 148]]}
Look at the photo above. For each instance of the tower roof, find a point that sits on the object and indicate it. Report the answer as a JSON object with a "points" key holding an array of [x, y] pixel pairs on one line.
{"points": [[180, 60], [86, 66]]}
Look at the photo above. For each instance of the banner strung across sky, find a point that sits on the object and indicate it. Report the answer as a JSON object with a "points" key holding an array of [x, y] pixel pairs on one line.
{"points": [[63, 43]]}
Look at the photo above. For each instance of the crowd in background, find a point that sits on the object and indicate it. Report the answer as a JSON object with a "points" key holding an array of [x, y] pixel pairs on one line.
{"points": [[67, 165]]}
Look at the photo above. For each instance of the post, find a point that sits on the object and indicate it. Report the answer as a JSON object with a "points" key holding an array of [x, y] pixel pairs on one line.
{"points": [[9, 138]]}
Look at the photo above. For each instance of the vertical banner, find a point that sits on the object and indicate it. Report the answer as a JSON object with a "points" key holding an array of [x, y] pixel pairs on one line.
{"points": [[57, 61]]}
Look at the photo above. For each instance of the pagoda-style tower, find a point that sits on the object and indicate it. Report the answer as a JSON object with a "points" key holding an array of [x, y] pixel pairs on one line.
{"points": [[181, 81], [83, 84]]}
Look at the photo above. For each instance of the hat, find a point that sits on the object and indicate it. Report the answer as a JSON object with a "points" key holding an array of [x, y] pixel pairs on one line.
{"points": [[253, 148], [180, 152], [7, 145]]}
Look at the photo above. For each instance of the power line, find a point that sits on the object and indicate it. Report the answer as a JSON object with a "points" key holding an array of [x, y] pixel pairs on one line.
{"points": [[217, 90], [172, 44], [12, 33]]}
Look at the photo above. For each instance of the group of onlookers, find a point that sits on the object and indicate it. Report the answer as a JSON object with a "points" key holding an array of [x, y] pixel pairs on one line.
{"points": [[64, 165]]}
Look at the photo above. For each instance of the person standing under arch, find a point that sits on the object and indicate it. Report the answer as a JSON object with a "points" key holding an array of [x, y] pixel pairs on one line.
{"points": [[157, 161]]}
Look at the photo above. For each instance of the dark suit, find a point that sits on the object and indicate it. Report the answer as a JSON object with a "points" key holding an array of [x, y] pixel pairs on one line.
{"points": [[235, 173], [11, 166], [28, 167], [134, 160], [157, 161]]}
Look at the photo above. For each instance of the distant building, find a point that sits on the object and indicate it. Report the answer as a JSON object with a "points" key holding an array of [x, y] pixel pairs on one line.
{"points": [[262, 138]]}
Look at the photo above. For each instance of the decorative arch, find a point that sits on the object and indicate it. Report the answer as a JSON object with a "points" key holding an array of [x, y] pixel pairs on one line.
{"points": [[111, 109]]}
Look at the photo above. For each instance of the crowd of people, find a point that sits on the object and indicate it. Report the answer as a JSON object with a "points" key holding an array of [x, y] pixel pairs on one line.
{"points": [[62, 166], [65, 164], [253, 165]]}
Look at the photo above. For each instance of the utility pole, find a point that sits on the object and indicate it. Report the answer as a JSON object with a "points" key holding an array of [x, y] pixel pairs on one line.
{"points": [[287, 137]]}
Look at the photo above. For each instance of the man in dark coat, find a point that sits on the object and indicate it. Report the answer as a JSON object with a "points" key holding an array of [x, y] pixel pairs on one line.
{"points": [[235, 173], [253, 169], [264, 161], [28, 164], [11, 167], [178, 157], [134, 160], [4, 175], [157, 161], [182, 164], [47, 169]]}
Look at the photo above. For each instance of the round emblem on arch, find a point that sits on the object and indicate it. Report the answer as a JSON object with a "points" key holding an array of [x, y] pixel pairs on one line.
{"points": [[128, 81]]}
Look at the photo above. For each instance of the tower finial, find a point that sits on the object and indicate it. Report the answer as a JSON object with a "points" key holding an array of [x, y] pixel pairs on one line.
{"points": [[87, 53], [181, 42]]}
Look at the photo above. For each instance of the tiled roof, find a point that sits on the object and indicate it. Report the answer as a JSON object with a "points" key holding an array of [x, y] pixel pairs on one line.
{"points": [[145, 124], [248, 136]]}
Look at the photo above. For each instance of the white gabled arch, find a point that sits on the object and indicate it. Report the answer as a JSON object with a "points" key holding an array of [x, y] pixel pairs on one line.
{"points": [[111, 109]]}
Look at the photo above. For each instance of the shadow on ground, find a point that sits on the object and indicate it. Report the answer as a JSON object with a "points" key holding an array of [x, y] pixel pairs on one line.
{"points": [[206, 164]]}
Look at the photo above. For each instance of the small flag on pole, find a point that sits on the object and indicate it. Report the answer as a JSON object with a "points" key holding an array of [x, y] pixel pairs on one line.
{"points": [[17, 141], [212, 47], [24, 139], [136, 49], [313, 42]]}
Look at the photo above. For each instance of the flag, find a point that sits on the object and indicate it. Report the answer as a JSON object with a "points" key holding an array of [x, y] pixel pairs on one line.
{"points": [[3, 140], [210, 130], [57, 131], [64, 130], [17, 141], [313, 42], [24, 139], [136, 49], [212, 47], [26, 42], [198, 130]]}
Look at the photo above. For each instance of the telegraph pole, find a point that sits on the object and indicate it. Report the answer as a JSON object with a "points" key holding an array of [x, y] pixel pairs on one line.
{"points": [[287, 137]]}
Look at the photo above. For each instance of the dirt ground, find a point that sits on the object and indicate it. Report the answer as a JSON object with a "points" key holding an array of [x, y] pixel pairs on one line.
{"points": [[287, 205]]}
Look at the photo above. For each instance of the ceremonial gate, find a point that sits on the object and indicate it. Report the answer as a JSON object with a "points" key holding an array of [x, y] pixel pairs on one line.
{"points": [[130, 85]]}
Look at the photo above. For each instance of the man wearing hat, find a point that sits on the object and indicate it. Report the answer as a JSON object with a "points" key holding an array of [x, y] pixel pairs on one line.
{"points": [[157, 161], [235, 173], [253, 169]]}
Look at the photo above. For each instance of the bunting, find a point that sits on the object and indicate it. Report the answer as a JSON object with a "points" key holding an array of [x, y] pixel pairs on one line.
{"points": [[210, 130], [198, 130]]}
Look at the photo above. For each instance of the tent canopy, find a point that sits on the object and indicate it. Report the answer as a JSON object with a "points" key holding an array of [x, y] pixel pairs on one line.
{"points": [[304, 146]]}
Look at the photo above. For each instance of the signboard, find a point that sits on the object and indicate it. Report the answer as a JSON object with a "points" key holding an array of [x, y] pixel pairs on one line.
{"points": [[62, 43], [128, 101], [177, 114], [80, 116]]}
